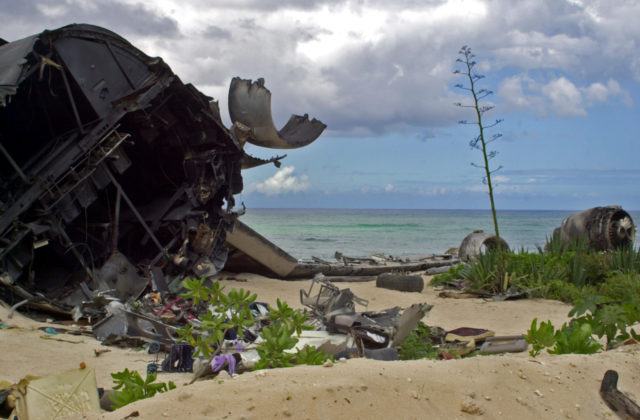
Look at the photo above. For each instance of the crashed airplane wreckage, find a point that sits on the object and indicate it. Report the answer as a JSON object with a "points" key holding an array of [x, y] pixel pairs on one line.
{"points": [[115, 175]]}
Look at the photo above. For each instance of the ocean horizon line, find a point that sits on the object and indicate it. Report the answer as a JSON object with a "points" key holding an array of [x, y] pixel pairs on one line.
{"points": [[421, 208]]}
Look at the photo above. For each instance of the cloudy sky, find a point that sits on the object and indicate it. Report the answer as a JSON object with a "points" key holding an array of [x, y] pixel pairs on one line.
{"points": [[565, 76]]}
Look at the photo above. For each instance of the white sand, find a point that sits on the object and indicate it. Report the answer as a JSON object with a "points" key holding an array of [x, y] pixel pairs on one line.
{"points": [[510, 386]]}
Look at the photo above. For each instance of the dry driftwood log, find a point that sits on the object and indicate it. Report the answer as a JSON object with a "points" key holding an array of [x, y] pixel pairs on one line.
{"points": [[622, 405], [350, 279]]}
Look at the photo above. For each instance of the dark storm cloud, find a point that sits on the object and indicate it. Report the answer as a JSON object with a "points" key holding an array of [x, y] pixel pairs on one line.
{"points": [[26, 17], [216, 33], [273, 5], [400, 81], [267, 5]]}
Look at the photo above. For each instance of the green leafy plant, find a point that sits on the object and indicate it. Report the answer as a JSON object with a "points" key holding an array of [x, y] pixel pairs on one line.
{"points": [[588, 303], [418, 344], [540, 337], [292, 318], [129, 387], [560, 271], [575, 338], [593, 315], [483, 272], [607, 318], [272, 351], [310, 355], [278, 339], [231, 311], [625, 259], [454, 273], [621, 285], [614, 322]]}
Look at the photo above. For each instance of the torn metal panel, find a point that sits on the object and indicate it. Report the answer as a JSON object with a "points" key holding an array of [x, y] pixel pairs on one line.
{"points": [[119, 274], [259, 249], [13, 65], [133, 325], [250, 105], [249, 161], [324, 341]]}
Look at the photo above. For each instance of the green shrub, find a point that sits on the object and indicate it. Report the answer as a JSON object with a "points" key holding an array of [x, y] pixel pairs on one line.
{"points": [[418, 344], [575, 338], [560, 290], [559, 271], [231, 311], [483, 272], [278, 339], [540, 337], [454, 273], [592, 315], [625, 259], [621, 286], [129, 387]]}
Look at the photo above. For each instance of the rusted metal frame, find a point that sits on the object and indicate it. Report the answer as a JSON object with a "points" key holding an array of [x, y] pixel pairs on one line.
{"points": [[163, 252], [58, 169], [156, 223], [73, 102], [116, 219], [44, 158], [137, 214], [165, 98], [45, 112], [94, 165], [75, 150], [13, 163], [73, 249], [115, 58], [7, 254], [31, 300]]}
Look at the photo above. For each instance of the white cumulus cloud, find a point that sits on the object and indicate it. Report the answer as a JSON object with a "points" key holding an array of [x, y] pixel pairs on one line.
{"points": [[559, 96], [500, 178], [566, 99], [599, 92], [512, 92], [282, 182]]}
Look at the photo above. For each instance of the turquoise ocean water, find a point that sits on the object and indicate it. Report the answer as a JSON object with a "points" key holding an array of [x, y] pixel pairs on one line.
{"points": [[304, 233]]}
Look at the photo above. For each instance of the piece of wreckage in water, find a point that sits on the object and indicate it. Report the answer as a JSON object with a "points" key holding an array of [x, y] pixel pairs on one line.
{"points": [[601, 228], [251, 252], [114, 173]]}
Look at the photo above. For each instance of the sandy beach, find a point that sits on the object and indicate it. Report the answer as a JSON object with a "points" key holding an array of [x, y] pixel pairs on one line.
{"points": [[499, 386]]}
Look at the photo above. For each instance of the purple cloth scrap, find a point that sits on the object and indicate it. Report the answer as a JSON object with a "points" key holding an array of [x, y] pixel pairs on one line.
{"points": [[218, 362]]}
